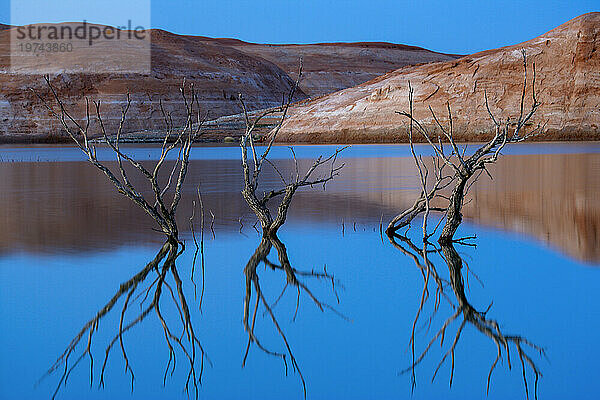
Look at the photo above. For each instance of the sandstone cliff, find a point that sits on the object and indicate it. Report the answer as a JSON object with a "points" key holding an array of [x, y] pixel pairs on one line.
{"points": [[568, 84], [218, 72], [219, 68]]}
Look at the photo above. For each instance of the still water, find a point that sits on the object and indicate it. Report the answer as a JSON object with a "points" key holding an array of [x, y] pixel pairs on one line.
{"points": [[69, 240]]}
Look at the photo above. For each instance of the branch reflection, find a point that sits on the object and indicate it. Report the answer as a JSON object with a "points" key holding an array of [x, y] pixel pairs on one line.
{"points": [[146, 289], [436, 286]]}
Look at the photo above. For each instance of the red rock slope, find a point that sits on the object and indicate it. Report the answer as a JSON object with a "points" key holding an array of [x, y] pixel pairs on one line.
{"points": [[568, 84]]}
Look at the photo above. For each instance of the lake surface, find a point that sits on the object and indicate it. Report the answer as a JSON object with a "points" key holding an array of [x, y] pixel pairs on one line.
{"points": [[68, 240]]}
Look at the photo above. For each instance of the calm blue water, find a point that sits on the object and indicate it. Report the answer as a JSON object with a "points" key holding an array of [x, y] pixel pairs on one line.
{"points": [[537, 290], [43, 153]]}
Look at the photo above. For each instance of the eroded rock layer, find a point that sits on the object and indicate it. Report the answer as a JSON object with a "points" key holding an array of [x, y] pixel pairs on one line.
{"points": [[219, 69], [567, 61]]}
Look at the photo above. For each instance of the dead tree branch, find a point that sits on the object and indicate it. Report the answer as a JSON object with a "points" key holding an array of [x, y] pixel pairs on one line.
{"points": [[159, 208]]}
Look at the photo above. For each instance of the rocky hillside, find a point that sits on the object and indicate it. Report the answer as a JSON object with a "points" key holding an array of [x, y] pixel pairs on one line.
{"points": [[329, 67], [567, 62], [219, 68]]}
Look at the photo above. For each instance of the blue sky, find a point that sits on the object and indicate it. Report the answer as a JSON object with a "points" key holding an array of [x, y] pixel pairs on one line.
{"points": [[453, 27]]}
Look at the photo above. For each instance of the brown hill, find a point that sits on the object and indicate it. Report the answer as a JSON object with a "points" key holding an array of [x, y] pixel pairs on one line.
{"points": [[218, 72], [329, 67], [219, 68], [568, 85]]}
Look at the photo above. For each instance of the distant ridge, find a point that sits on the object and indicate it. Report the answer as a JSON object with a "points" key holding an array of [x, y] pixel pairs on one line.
{"points": [[328, 67]]}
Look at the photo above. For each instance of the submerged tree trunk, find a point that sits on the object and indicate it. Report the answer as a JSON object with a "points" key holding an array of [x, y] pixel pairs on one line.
{"points": [[454, 212]]}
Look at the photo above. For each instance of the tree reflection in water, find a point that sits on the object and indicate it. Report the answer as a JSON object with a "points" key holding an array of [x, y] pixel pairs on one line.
{"points": [[295, 279], [462, 308], [149, 295]]}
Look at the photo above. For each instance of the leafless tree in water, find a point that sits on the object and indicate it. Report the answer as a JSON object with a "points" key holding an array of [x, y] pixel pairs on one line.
{"points": [[445, 182], [161, 206], [327, 168]]}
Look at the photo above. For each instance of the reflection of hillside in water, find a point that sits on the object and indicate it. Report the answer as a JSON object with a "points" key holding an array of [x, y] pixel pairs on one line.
{"points": [[555, 198], [48, 207]]}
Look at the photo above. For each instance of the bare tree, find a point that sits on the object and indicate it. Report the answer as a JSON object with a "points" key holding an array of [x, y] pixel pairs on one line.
{"points": [[445, 181], [455, 169], [252, 167], [162, 208]]}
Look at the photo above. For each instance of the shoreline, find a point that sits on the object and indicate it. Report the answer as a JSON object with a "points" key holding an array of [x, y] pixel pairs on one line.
{"points": [[225, 138]]}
